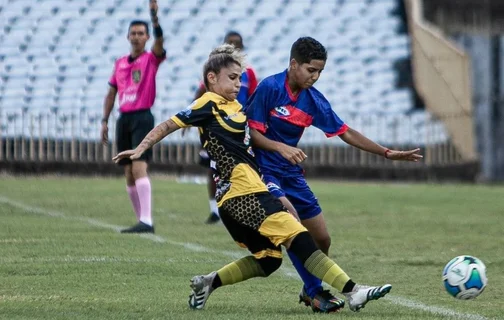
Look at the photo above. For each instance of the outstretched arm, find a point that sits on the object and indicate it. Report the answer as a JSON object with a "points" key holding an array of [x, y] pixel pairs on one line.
{"points": [[157, 134], [358, 140], [157, 47]]}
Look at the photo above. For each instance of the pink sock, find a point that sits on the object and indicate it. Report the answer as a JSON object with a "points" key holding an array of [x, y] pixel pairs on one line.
{"points": [[133, 195], [143, 187]]}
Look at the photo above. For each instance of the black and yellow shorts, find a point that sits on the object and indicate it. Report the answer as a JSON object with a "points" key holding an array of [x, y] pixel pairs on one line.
{"points": [[260, 223]]}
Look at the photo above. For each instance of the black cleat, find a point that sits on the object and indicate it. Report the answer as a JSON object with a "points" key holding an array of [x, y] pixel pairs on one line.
{"points": [[212, 218], [323, 302], [304, 298], [140, 227]]}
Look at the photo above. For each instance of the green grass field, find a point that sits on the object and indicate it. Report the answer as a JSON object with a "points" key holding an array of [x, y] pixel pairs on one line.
{"points": [[61, 256]]}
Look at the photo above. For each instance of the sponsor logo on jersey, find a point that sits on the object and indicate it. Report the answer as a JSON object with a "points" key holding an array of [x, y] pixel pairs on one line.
{"points": [[282, 111], [231, 116], [187, 111], [271, 185], [127, 98], [246, 138]]}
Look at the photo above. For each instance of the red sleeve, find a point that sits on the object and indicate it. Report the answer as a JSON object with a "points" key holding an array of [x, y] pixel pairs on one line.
{"points": [[252, 81], [344, 128], [261, 127]]}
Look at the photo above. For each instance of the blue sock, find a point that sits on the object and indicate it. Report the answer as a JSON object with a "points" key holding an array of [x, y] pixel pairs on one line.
{"points": [[312, 284]]}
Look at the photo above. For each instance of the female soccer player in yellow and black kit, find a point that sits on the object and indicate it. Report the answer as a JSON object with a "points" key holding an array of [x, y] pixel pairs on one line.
{"points": [[254, 218]]}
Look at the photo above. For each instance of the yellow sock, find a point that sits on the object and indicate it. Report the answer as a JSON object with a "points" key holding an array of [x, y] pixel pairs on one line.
{"points": [[240, 270], [324, 268]]}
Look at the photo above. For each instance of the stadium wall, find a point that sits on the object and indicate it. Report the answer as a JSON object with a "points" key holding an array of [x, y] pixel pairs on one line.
{"points": [[442, 78]]}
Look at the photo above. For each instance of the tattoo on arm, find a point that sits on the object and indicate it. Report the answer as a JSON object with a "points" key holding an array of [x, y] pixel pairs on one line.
{"points": [[158, 133]]}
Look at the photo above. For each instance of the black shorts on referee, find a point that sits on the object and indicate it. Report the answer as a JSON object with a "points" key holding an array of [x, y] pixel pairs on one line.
{"points": [[131, 129]]}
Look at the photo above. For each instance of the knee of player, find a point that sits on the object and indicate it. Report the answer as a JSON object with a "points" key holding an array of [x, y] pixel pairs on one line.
{"points": [[270, 264], [324, 243], [139, 169], [303, 246], [130, 179]]}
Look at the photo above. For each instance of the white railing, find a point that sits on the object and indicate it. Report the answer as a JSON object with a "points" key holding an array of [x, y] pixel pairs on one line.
{"points": [[74, 135]]}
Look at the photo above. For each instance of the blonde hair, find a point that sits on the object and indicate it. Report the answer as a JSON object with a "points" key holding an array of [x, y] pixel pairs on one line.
{"points": [[221, 57]]}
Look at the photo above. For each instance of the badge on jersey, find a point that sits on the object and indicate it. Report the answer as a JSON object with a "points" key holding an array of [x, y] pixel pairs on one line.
{"points": [[137, 76]]}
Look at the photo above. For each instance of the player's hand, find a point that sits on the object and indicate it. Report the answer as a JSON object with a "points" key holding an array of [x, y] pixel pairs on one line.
{"points": [[128, 154], [104, 133], [153, 8], [410, 155], [293, 154]]}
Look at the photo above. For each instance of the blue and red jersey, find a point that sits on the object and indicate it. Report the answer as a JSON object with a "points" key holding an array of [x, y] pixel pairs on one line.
{"points": [[282, 116]]}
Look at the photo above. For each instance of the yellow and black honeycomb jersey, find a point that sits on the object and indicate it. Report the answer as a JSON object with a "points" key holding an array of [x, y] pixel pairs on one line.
{"points": [[225, 135]]}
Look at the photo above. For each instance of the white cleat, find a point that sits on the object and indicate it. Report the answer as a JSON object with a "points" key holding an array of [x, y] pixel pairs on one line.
{"points": [[361, 295], [201, 289]]}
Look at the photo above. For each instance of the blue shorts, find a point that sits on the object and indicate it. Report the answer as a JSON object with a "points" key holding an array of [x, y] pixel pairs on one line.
{"points": [[297, 192]]}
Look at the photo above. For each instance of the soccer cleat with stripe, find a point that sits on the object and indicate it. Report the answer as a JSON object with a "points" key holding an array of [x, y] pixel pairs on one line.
{"points": [[201, 289], [323, 301], [360, 295]]}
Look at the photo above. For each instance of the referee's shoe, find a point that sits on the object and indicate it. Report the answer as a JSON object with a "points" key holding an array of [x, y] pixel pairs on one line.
{"points": [[140, 227]]}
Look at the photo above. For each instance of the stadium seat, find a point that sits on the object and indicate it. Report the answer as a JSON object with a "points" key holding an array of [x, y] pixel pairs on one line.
{"points": [[65, 50]]}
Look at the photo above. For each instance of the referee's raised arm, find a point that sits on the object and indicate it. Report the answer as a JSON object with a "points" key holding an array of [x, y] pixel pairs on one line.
{"points": [[157, 47]]}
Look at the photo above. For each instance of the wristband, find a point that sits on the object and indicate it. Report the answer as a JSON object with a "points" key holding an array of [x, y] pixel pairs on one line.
{"points": [[158, 32], [385, 153], [104, 120], [153, 13]]}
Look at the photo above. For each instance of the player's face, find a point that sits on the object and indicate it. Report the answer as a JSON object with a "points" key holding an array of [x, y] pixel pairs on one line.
{"points": [[236, 41], [137, 37], [307, 74], [227, 82]]}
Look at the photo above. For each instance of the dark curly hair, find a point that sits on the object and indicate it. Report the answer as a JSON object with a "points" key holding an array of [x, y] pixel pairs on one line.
{"points": [[306, 49]]}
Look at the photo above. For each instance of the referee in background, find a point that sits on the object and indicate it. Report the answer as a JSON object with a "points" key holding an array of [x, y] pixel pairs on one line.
{"points": [[134, 79]]}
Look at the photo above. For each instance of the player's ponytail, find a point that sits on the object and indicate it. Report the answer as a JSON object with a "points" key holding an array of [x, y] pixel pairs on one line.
{"points": [[221, 57]]}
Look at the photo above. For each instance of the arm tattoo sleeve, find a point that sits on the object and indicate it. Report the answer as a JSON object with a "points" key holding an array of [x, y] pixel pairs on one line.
{"points": [[158, 133]]}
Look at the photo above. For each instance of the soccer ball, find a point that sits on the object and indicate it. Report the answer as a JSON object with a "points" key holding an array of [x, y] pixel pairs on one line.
{"points": [[464, 277]]}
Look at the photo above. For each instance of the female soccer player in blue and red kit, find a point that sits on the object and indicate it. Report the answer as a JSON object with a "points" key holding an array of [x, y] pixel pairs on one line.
{"points": [[282, 106]]}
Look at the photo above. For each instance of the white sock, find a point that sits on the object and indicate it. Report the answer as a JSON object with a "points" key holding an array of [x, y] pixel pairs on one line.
{"points": [[213, 206]]}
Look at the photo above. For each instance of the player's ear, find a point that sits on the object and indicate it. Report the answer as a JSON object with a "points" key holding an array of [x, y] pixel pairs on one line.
{"points": [[293, 64], [212, 77]]}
